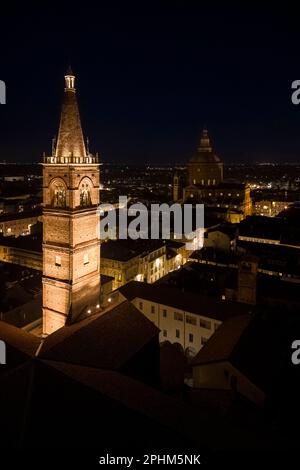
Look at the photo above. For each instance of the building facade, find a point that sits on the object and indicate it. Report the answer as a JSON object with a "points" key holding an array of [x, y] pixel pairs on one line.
{"points": [[71, 245], [16, 225], [185, 318], [128, 260]]}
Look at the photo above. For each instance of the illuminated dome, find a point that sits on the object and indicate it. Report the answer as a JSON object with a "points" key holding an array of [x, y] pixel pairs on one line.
{"points": [[205, 168], [205, 152]]}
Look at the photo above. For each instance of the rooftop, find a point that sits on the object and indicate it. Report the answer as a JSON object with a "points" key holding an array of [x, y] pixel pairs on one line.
{"points": [[104, 341], [253, 345], [21, 215], [28, 242], [124, 250], [186, 301]]}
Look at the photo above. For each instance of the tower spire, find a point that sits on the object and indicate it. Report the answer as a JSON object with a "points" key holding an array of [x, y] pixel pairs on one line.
{"points": [[70, 142]]}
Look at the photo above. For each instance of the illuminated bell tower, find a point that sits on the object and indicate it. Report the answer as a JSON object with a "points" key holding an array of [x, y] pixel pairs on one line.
{"points": [[71, 245]]}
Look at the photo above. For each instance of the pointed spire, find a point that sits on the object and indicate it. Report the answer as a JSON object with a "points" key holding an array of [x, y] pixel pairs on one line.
{"points": [[70, 142], [204, 142]]}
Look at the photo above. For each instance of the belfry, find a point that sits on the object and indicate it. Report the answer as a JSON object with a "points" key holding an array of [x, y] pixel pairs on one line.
{"points": [[71, 244]]}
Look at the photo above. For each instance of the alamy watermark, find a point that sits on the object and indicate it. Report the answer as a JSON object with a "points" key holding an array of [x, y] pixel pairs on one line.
{"points": [[2, 92], [182, 222], [2, 352], [296, 354]]}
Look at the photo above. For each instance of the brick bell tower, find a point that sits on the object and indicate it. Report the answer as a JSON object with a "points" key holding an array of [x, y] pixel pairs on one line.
{"points": [[71, 244]]}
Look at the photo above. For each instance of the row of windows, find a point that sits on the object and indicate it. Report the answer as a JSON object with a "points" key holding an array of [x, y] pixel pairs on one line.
{"points": [[208, 181], [156, 254], [191, 336], [179, 317]]}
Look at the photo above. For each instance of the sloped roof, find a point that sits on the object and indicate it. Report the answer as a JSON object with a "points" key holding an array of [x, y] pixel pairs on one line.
{"points": [[220, 346], [104, 341], [20, 346], [19, 339], [250, 345], [186, 301]]}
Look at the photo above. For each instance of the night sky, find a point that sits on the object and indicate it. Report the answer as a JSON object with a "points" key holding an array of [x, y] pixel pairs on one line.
{"points": [[148, 80]]}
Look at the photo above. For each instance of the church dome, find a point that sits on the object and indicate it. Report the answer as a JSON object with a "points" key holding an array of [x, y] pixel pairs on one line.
{"points": [[205, 152]]}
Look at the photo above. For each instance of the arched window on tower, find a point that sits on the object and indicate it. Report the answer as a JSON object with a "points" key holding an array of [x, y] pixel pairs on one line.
{"points": [[85, 196], [58, 194]]}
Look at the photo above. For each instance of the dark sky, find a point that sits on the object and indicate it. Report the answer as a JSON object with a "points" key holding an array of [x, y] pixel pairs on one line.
{"points": [[149, 78]]}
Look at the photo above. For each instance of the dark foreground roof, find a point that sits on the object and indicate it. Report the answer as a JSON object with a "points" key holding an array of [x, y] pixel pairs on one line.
{"points": [[20, 346], [104, 341], [49, 404], [18, 338]]}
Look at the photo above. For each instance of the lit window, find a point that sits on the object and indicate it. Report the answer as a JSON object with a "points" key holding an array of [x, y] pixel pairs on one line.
{"points": [[191, 320], [57, 261], [9, 230], [178, 316], [205, 324], [86, 258]]}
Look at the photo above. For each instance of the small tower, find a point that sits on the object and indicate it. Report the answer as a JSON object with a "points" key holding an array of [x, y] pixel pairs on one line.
{"points": [[177, 187], [71, 245], [247, 279]]}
